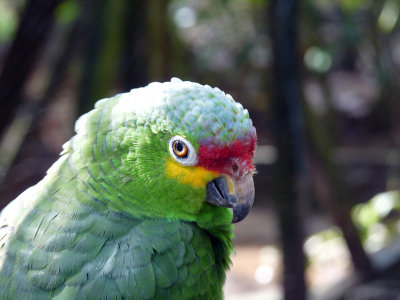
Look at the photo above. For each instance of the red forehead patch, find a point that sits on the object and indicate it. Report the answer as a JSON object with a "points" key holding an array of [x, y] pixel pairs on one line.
{"points": [[220, 159]]}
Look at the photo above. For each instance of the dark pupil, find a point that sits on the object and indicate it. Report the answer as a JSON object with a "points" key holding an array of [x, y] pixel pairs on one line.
{"points": [[179, 146]]}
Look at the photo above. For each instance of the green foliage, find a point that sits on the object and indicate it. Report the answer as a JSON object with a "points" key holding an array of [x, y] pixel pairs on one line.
{"points": [[8, 21], [351, 6], [378, 220], [67, 12], [388, 18]]}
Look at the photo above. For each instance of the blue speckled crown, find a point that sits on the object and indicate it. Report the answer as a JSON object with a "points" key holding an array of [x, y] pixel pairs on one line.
{"points": [[187, 107], [180, 107]]}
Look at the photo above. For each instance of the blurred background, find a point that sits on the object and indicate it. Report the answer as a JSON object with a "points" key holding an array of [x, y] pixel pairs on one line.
{"points": [[320, 79]]}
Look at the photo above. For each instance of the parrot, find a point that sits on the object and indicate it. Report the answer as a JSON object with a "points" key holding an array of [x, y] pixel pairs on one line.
{"points": [[141, 203]]}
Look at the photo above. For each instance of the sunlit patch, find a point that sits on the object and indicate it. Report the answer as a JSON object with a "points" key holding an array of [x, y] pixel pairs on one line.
{"points": [[264, 274], [194, 176]]}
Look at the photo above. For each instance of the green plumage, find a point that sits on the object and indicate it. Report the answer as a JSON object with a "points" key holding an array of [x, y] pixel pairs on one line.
{"points": [[108, 223]]}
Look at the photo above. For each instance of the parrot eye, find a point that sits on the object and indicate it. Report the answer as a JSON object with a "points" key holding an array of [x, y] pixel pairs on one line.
{"points": [[182, 151]]}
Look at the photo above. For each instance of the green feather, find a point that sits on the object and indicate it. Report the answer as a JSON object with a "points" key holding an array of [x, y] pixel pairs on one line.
{"points": [[165, 270]]}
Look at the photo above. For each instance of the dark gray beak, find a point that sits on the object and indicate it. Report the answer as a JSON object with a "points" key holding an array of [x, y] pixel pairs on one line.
{"points": [[236, 194]]}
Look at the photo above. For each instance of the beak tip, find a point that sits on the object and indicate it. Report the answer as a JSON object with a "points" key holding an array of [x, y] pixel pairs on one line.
{"points": [[240, 212]]}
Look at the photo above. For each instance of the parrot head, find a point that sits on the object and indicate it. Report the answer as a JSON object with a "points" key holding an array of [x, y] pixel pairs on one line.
{"points": [[177, 150]]}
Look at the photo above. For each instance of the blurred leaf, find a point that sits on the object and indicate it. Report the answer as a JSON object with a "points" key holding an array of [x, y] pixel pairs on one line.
{"points": [[388, 17], [317, 59], [317, 242], [8, 21], [365, 215], [377, 238], [377, 220], [67, 12], [352, 5], [384, 203], [259, 1]]}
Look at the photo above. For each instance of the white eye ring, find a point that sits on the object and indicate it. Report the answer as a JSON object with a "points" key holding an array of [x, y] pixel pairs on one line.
{"points": [[186, 156]]}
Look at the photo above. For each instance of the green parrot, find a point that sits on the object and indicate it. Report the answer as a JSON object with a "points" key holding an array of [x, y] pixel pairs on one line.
{"points": [[139, 205]]}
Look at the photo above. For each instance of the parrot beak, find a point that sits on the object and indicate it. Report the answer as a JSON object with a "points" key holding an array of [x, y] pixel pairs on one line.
{"points": [[236, 194]]}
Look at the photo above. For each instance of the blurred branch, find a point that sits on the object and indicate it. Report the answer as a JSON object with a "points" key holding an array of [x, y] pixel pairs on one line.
{"points": [[290, 140], [26, 120], [135, 46], [332, 191], [160, 41], [35, 24], [102, 45]]}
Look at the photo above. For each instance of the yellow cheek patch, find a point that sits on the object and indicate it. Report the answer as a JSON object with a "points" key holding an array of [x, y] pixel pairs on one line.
{"points": [[194, 176]]}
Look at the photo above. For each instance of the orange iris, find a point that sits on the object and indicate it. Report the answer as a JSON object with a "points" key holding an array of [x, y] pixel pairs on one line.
{"points": [[180, 148]]}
